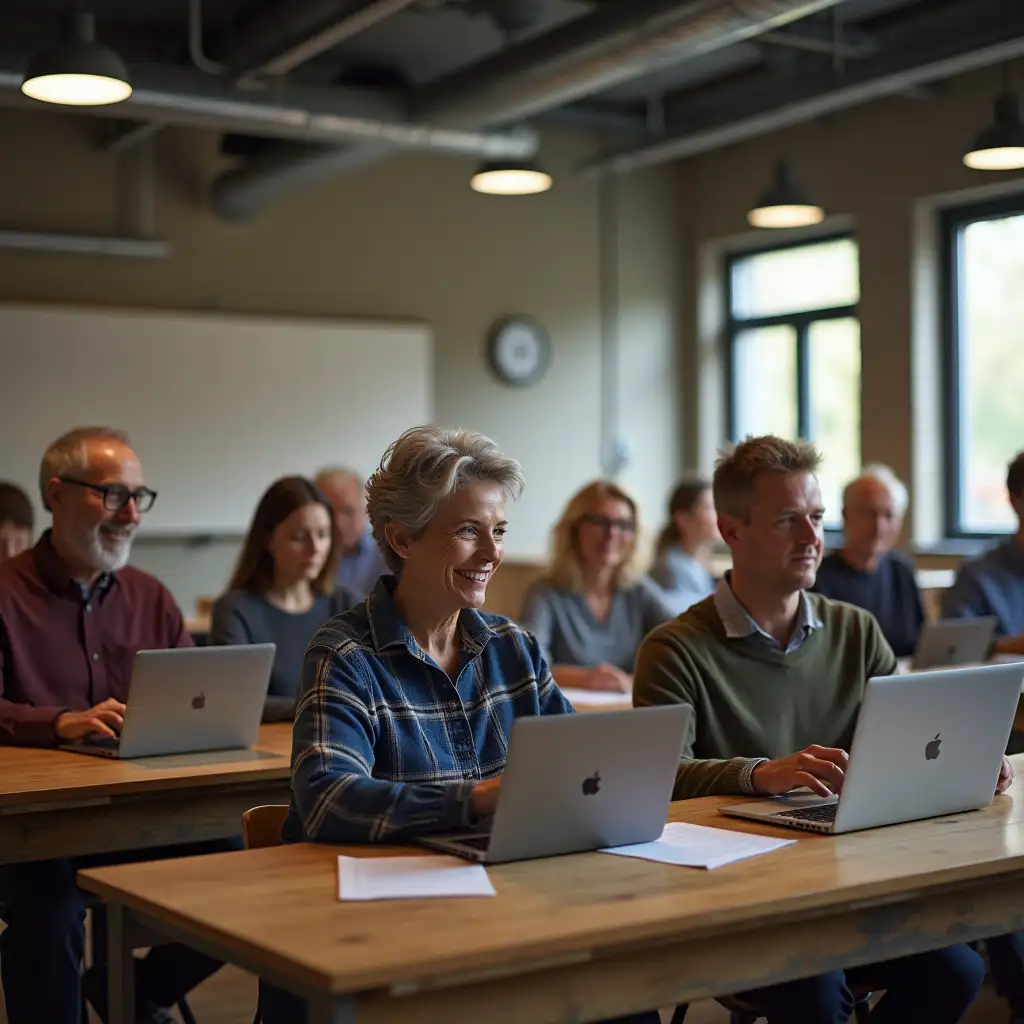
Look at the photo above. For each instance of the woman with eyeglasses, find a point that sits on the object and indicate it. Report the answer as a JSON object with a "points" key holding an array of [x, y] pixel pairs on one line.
{"points": [[592, 609], [282, 589]]}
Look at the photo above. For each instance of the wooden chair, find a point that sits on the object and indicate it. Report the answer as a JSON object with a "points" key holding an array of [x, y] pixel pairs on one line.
{"points": [[261, 827]]}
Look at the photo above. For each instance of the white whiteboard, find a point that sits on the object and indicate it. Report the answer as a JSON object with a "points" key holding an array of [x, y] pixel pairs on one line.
{"points": [[218, 406]]}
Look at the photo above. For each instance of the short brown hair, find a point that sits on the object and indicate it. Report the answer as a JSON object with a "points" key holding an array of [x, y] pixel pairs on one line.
{"points": [[736, 472], [15, 506], [255, 569], [1015, 476]]}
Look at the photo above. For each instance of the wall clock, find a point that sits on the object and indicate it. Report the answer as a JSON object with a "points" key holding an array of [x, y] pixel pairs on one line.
{"points": [[519, 351]]}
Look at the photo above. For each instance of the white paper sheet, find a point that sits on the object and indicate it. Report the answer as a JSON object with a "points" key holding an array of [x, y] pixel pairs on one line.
{"points": [[697, 846], [409, 878], [596, 698]]}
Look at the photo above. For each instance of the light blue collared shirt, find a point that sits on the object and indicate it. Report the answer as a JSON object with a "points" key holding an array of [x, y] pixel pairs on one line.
{"points": [[359, 570], [739, 623]]}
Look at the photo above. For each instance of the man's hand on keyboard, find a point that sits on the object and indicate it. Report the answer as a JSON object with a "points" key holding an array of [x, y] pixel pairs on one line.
{"points": [[105, 719], [1005, 777], [820, 769]]}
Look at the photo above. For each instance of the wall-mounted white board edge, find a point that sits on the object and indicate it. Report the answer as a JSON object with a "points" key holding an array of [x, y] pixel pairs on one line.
{"points": [[217, 405]]}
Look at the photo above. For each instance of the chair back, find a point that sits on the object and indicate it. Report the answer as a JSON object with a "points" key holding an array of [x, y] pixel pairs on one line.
{"points": [[261, 826]]}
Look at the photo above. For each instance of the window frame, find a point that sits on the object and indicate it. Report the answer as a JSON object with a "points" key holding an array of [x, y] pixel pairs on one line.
{"points": [[800, 322], [952, 221]]}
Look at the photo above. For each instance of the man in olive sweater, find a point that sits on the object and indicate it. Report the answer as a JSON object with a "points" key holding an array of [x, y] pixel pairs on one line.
{"points": [[775, 676]]}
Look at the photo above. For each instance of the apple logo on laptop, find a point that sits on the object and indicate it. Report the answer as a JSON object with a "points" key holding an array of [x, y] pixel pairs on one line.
{"points": [[199, 702], [951, 652], [931, 750], [592, 785]]}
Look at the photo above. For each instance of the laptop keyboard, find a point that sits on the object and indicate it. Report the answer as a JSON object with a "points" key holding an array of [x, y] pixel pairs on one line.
{"points": [[823, 812]]}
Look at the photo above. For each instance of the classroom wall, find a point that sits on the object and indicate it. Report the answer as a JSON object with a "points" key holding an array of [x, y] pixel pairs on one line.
{"points": [[405, 239], [871, 163]]}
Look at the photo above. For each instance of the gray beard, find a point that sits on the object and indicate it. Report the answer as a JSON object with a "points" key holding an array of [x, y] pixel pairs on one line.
{"points": [[92, 551]]}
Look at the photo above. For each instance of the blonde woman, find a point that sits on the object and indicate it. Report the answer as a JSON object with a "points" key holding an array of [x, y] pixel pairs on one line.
{"points": [[592, 609]]}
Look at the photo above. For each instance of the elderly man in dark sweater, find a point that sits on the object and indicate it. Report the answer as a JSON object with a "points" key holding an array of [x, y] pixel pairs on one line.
{"points": [[867, 572], [775, 676]]}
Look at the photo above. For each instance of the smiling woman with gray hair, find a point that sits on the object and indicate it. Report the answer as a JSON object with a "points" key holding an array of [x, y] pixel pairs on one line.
{"points": [[407, 700]]}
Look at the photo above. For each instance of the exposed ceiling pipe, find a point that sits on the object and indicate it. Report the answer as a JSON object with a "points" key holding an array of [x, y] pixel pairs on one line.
{"points": [[618, 43], [340, 116], [287, 33], [822, 102], [614, 46], [357, 20], [269, 177]]}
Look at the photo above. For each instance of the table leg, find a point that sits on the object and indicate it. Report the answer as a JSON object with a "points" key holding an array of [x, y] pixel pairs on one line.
{"points": [[331, 1010], [121, 965]]}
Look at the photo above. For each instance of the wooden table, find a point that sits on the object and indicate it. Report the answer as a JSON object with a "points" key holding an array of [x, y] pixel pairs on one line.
{"points": [[582, 937], [59, 804]]}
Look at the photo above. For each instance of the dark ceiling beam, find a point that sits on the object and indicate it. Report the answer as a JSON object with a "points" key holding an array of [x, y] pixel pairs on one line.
{"points": [[616, 44], [850, 45], [920, 52], [291, 32]]}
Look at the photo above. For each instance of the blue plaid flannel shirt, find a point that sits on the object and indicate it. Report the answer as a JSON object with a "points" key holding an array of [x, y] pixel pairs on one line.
{"points": [[385, 746]]}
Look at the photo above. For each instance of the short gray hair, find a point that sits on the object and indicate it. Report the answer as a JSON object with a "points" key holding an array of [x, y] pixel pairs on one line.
{"points": [[67, 453], [425, 466], [883, 475], [331, 474]]}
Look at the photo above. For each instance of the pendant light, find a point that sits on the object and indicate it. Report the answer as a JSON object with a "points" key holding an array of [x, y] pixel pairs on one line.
{"points": [[510, 179], [78, 71], [1000, 146], [785, 204]]}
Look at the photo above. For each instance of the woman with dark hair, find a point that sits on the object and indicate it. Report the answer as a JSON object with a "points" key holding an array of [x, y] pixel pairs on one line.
{"points": [[680, 565], [282, 589]]}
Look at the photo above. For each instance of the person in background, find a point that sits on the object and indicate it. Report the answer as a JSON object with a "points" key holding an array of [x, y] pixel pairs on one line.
{"points": [[359, 559], [409, 698], [16, 521], [282, 589], [775, 676], [590, 612], [681, 558], [993, 584], [72, 617], [867, 572]]}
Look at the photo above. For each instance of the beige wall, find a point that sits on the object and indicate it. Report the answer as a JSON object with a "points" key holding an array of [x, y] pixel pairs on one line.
{"points": [[404, 239], [871, 163]]}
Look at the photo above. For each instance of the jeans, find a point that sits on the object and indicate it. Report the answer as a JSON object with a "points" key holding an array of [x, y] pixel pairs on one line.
{"points": [[1006, 957], [929, 988], [280, 1007], [42, 947]]}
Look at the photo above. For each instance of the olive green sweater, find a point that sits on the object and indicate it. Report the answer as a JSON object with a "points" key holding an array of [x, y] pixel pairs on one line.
{"points": [[751, 702]]}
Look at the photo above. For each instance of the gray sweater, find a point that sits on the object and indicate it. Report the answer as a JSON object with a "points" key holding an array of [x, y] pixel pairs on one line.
{"points": [[569, 634], [240, 617]]}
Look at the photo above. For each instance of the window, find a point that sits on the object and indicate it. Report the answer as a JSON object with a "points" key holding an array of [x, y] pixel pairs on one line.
{"points": [[794, 353], [984, 268]]}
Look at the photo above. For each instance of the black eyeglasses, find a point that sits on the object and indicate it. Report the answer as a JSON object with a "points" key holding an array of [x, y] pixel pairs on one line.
{"points": [[607, 523], [116, 496]]}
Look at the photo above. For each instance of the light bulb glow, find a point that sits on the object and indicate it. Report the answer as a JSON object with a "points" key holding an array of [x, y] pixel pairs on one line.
{"points": [[511, 182], [75, 90], [791, 216]]}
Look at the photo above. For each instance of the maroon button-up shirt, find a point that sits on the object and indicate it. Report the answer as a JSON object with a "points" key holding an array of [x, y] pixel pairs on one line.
{"points": [[61, 650]]}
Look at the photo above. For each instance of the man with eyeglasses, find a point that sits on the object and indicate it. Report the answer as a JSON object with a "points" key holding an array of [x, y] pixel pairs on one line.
{"points": [[72, 617]]}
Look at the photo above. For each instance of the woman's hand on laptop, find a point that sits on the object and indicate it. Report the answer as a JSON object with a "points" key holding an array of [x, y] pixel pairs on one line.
{"points": [[820, 769], [1005, 777], [485, 797], [101, 720]]}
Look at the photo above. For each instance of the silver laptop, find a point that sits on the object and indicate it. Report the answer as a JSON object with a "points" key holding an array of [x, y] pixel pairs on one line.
{"points": [[925, 744], [190, 699], [954, 642], [579, 782]]}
